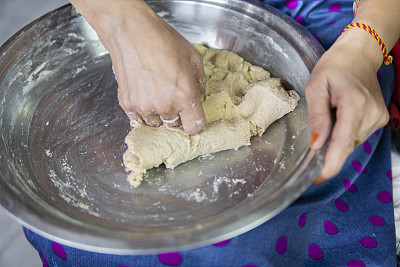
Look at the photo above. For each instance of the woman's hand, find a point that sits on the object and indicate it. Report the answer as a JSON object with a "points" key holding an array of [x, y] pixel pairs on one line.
{"points": [[159, 73], [344, 98]]}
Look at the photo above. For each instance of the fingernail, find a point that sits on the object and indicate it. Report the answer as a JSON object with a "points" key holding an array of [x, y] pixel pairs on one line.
{"points": [[319, 180], [314, 138]]}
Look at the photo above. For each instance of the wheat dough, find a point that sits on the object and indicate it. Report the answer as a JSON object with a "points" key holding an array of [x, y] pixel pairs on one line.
{"points": [[241, 100]]}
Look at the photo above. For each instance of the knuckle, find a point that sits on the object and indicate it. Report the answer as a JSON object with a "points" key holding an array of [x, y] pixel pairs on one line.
{"points": [[163, 106], [144, 106], [185, 96], [360, 99], [382, 117], [379, 116], [385, 117], [144, 110], [316, 117], [347, 143]]}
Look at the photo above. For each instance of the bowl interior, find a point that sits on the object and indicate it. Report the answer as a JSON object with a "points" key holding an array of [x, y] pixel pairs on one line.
{"points": [[62, 136]]}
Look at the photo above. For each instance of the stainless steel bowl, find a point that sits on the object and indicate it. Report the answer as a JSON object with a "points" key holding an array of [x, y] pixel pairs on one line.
{"points": [[62, 136]]}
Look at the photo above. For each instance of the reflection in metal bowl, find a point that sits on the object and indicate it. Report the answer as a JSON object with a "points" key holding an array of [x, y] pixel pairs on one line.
{"points": [[62, 136]]}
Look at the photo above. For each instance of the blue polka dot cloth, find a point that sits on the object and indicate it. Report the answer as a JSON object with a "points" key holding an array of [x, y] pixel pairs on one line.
{"points": [[345, 221]]}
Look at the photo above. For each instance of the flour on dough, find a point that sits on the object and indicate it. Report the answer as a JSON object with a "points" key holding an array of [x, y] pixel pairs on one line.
{"points": [[241, 100]]}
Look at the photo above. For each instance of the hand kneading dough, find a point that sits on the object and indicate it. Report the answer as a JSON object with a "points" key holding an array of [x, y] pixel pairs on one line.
{"points": [[241, 100]]}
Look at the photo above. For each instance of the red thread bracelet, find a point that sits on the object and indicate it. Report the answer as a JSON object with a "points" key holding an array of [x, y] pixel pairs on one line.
{"points": [[386, 59]]}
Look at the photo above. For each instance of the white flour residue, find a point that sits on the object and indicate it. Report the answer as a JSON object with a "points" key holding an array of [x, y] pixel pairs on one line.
{"points": [[206, 157], [218, 181], [49, 153], [163, 14], [36, 72], [15, 78], [36, 76], [296, 134], [69, 51], [75, 36], [197, 195], [69, 189], [260, 169], [275, 46], [268, 40], [80, 69], [282, 165], [211, 192]]}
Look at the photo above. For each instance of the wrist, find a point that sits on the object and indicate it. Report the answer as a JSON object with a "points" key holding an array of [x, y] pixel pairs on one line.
{"points": [[111, 18], [362, 45]]}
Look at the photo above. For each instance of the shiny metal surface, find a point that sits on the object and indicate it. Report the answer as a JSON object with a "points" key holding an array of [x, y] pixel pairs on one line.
{"points": [[62, 136]]}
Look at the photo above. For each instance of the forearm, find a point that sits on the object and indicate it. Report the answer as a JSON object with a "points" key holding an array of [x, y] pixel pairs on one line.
{"points": [[109, 17], [93, 8], [383, 17]]}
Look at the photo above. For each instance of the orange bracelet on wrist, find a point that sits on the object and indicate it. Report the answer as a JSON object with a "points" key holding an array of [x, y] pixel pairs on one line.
{"points": [[386, 58]]}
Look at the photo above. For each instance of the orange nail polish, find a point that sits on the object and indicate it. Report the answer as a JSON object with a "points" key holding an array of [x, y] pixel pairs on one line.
{"points": [[314, 138], [319, 180]]}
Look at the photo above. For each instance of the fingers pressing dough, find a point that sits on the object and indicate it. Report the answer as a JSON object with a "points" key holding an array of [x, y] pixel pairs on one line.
{"points": [[241, 100]]}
